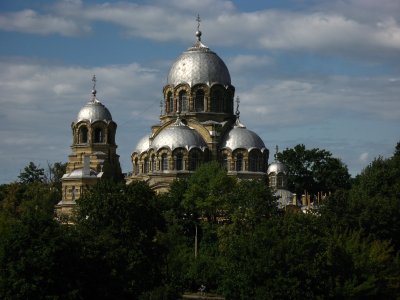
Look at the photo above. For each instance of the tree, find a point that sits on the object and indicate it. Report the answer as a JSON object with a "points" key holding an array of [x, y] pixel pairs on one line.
{"points": [[117, 225], [374, 199], [31, 173], [208, 191], [36, 256], [314, 170]]}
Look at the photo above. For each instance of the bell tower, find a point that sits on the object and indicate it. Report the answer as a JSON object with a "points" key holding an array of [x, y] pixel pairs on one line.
{"points": [[93, 156]]}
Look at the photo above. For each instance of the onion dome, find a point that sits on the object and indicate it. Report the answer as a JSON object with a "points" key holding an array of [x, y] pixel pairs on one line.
{"points": [[94, 110], [277, 167], [178, 135], [199, 64], [143, 145], [241, 137]]}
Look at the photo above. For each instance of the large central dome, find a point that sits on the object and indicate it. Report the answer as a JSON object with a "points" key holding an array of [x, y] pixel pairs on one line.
{"points": [[199, 65]]}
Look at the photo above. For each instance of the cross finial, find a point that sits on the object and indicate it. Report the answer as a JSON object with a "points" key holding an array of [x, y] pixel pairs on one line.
{"points": [[94, 86], [237, 106], [198, 21], [198, 32]]}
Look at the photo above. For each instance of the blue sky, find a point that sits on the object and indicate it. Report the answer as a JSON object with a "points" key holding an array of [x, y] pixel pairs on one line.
{"points": [[322, 73]]}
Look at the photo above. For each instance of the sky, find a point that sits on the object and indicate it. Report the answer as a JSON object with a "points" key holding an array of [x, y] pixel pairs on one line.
{"points": [[323, 73]]}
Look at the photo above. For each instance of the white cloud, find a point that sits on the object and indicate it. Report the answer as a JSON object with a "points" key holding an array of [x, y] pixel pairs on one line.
{"points": [[30, 21], [328, 29]]}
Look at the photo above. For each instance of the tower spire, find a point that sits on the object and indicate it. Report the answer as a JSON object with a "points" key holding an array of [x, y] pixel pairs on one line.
{"points": [[276, 152]]}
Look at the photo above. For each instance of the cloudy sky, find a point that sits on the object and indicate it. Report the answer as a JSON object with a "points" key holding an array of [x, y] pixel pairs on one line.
{"points": [[325, 73]]}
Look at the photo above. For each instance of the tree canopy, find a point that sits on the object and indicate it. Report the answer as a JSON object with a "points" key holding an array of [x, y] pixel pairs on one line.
{"points": [[210, 229], [31, 174], [314, 170]]}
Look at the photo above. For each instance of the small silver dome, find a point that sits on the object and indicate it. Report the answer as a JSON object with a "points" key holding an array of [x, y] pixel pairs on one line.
{"points": [[143, 145], [241, 137], [178, 135], [277, 167], [199, 65], [94, 110]]}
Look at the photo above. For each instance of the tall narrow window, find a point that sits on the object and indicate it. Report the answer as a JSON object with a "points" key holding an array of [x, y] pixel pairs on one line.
{"points": [[216, 101], [136, 166], [179, 162], [199, 102], [146, 166], [279, 181], [153, 163], [194, 160], [239, 162], [83, 135], [171, 102], [169, 105], [272, 180], [253, 162], [98, 135], [164, 162], [183, 101], [225, 162]]}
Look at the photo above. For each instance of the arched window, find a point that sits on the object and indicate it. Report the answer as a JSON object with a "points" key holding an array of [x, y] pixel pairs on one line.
{"points": [[146, 166], [194, 160], [153, 163], [169, 107], [183, 101], [225, 162], [164, 162], [98, 135], [83, 135], [253, 162], [239, 162], [179, 162], [199, 102]]}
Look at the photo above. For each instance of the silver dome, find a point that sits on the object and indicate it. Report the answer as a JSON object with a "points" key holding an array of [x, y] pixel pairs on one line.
{"points": [[143, 145], [178, 135], [94, 110], [199, 65], [241, 137], [277, 167]]}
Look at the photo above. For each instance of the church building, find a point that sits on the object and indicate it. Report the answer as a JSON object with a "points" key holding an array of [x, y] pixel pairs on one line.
{"points": [[198, 124]]}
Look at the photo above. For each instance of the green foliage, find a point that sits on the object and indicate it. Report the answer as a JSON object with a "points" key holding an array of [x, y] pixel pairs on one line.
{"points": [[117, 225], [208, 191], [128, 243], [31, 174], [360, 268], [314, 170], [35, 251]]}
